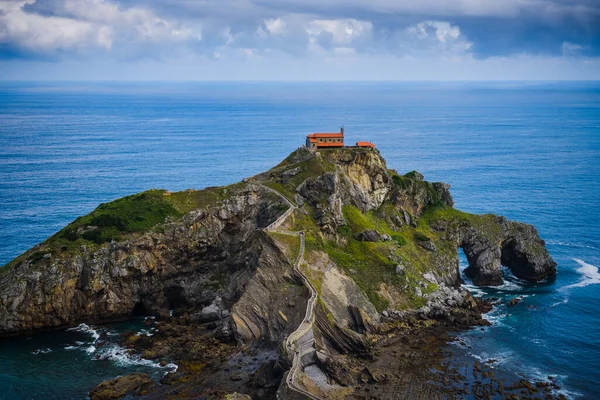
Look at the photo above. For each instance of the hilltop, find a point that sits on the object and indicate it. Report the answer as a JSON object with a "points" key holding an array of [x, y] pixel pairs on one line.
{"points": [[230, 272]]}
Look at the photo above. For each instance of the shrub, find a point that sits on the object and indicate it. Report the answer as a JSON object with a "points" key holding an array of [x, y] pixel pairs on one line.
{"points": [[344, 230], [421, 237]]}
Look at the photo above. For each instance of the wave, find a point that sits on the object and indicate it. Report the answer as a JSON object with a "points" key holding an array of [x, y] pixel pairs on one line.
{"points": [[84, 328], [506, 361], [579, 245], [589, 272], [122, 356], [539, 375], [112, 351], [558, 303], [41, 351]]}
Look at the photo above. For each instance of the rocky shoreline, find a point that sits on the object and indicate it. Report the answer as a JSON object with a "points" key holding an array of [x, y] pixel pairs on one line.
{"points": [[409, 358]]}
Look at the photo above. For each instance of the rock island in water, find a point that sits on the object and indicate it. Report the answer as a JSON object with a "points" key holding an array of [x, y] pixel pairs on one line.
{"points": [[329, 276]]}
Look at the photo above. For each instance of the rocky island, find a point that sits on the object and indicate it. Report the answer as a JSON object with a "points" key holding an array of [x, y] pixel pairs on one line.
{"points": [[328, 276]]}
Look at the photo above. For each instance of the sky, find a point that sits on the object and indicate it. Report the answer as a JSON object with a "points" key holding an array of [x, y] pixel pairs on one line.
{"points": [[200, 40]]}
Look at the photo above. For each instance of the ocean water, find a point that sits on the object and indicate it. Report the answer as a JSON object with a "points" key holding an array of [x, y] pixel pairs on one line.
{"points": [[529, 151]]}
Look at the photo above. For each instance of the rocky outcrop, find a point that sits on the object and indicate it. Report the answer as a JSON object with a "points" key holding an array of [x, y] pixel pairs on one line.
{"points": [[502, 242], [128, 385], [370, 235], [273, 301], [209, 253], [376, 241]]}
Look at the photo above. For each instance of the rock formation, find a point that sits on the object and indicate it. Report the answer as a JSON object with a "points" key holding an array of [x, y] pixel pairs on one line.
{"points": [[379, 246]]}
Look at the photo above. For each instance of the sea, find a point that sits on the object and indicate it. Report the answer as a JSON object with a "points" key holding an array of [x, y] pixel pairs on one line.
{"points": [[526, 150]]}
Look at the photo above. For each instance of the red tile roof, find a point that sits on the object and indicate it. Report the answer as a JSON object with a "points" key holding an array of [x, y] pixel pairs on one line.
{"points": [[325, 135], [365, 144]]}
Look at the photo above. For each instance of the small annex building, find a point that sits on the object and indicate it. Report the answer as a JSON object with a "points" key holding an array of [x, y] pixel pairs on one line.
{"points": [[316, 141], [365, 144]]}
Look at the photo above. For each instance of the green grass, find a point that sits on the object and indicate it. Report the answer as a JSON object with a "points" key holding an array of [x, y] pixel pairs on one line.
{"points": [[369, 265], [291, 244], [311, 168], [359, 222], [110, 221], [485, 224]]}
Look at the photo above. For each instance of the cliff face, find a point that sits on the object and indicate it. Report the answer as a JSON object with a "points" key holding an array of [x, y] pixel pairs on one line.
{"points": [[212, 252], [376, 240]]}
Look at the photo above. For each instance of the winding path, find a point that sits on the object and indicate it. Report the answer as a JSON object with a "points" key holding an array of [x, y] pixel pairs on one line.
{"points": [[301, 341]]}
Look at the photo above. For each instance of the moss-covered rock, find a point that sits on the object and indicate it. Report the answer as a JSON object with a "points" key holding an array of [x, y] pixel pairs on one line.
{"points": [[128, 385]]}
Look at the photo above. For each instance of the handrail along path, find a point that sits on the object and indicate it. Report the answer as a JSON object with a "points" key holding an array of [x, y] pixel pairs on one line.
{"points": [[301, 341]]}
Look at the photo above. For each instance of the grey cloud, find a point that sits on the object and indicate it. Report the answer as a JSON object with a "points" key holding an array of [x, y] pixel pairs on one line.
{"points": [[485, 28]]}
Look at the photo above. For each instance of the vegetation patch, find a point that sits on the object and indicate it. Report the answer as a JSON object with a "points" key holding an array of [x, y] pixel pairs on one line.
{"points": [[359, 222], [128, 215], [290, 245]]}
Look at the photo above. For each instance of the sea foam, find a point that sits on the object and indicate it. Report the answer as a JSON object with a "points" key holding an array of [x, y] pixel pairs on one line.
{"points": [[589, 272]]}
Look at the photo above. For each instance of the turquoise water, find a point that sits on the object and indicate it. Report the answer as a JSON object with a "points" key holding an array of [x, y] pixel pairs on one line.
{"points": [[529, 151]]}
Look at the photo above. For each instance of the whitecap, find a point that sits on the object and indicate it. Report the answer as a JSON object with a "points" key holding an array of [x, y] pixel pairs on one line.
{"points": [[493, 360], [83, 328], [122, 356], [559, 243], [71, 347], [509, 286], [90, 349], [589, 272], [539, 375], [41, 351], [558, 303]]}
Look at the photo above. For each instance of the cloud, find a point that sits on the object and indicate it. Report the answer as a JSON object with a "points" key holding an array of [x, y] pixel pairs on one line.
{"points": [[57, 28], [124, 29]]}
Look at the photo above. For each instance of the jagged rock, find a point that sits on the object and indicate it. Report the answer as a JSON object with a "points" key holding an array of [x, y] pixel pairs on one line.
{"points": [[219, 249], [187, 263], [514, 244], [430, 278], [133, 384], [400, 269], [428, 245], [514, 301], [361, 322], [210, 313], [368, 236], [288, 174]]}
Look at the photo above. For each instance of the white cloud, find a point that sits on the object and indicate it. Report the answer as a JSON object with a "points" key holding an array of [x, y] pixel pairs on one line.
{"points": [[83, 26], [435, 36], [274, 26], [341, 31]]}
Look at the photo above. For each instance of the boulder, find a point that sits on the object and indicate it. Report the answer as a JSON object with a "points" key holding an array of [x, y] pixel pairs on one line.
{"points": [[128, 385], [514, 301], [428, 245], [370, 235]]}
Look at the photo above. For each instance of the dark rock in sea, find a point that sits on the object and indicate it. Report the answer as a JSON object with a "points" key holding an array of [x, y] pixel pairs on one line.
{"points": [[509, 243], [514, 301]]}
